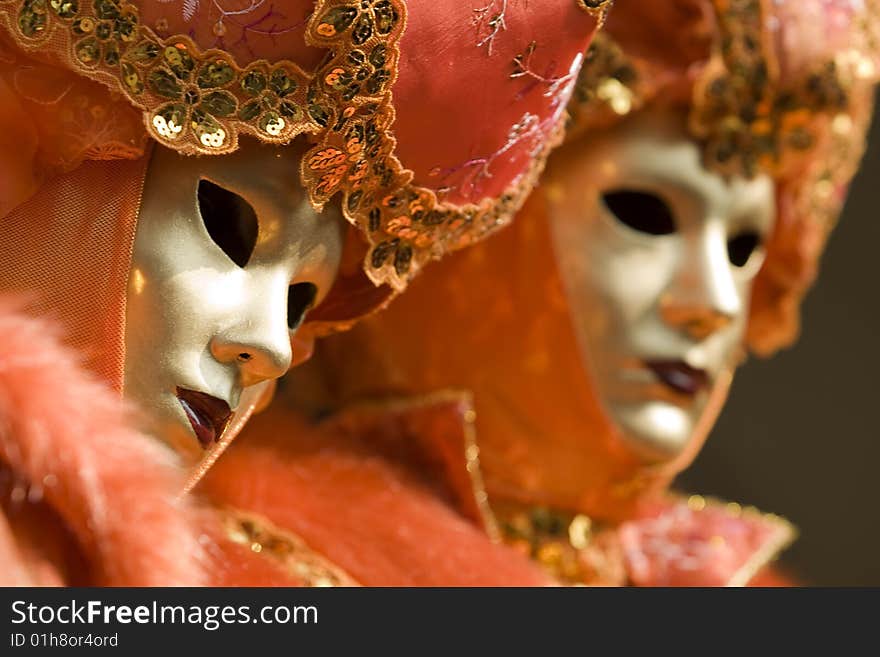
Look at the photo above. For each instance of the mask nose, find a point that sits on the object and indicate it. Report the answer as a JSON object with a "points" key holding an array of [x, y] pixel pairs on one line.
{"points": [[702, 297], [259, 342], [696, 321]]}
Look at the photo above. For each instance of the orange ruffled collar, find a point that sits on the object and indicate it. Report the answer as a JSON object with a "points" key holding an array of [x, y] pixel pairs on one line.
{"points": [[669, 540]]}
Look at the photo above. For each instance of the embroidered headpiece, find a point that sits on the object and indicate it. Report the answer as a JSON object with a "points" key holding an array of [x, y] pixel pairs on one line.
{"points": [[424, 127]]}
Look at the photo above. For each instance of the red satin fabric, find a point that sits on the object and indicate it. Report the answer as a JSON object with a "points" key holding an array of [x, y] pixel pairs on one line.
{"points": [[465, 125]]}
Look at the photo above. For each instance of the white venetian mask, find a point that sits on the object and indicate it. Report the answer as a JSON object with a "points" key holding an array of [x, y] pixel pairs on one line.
{"points": [[228, 257], [658, 256]]}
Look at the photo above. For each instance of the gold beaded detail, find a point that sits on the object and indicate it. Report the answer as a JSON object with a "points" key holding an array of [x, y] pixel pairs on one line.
{"points": [[290, 551], [597, 8], [576, 551], [748, 124], [566, 545], [407, 225], [607, 88]]}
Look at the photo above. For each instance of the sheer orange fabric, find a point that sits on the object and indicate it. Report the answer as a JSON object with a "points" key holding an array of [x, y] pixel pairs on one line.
{"points": [[69, 249], [56, 120]]}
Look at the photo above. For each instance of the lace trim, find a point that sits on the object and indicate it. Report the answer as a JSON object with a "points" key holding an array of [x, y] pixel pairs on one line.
{"points": [[194, 101], [198, 102], [297, 558]]}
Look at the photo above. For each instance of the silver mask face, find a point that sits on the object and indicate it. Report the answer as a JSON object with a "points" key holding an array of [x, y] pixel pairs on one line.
{"points": [[658, 256], [228, 257]]}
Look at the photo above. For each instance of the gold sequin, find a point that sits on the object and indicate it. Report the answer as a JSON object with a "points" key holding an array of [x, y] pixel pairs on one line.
{"points": [[560, 542], [580, 531]]}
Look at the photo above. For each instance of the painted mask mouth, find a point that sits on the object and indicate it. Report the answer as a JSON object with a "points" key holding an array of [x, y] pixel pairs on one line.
{"points": [[207, 414], [679, 376]]}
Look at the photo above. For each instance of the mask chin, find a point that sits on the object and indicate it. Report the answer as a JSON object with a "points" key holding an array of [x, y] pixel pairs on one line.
{"points": [[654, 431]]}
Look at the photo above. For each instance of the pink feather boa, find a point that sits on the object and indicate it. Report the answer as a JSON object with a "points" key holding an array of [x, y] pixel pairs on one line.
{"points": [[68, 442]]}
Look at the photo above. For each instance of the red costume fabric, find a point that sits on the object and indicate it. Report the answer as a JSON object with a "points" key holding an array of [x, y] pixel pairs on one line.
{"points": [[391, 493]]}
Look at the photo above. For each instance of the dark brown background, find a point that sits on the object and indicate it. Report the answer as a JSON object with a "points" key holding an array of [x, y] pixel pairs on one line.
{"points": [[800, 435]]}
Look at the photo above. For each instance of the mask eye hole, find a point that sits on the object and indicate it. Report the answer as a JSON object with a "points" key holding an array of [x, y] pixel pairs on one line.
{"points": [[641, 211], [230, 220], [741, 247], [300, 297]]}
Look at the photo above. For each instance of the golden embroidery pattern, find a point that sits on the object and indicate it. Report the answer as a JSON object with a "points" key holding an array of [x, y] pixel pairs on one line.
{"points": [[747, 123], [197, 102], [193, 101], [406, 224], [262, 537]]}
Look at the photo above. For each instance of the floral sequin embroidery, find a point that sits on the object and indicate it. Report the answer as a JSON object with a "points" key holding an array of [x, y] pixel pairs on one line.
{"points": [[194, 101], [406, 224]]}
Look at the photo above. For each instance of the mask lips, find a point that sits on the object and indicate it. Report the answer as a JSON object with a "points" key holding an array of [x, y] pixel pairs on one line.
{"points": [[207, 414]]}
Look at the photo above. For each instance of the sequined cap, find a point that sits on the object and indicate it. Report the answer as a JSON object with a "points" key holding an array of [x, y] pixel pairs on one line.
{"points": [[396, 97]]}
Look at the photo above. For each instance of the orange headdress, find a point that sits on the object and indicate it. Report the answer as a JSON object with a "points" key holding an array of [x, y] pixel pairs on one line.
{"points": [[429, 121], [784, 88], [781, 87]]}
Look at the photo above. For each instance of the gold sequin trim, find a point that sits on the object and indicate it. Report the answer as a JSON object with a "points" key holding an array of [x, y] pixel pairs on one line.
{"points": [[748, 124], [608, 87], [406, 224], [596, 8], [290, 551], [475, 472], [193, 101], [821, 195]]}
